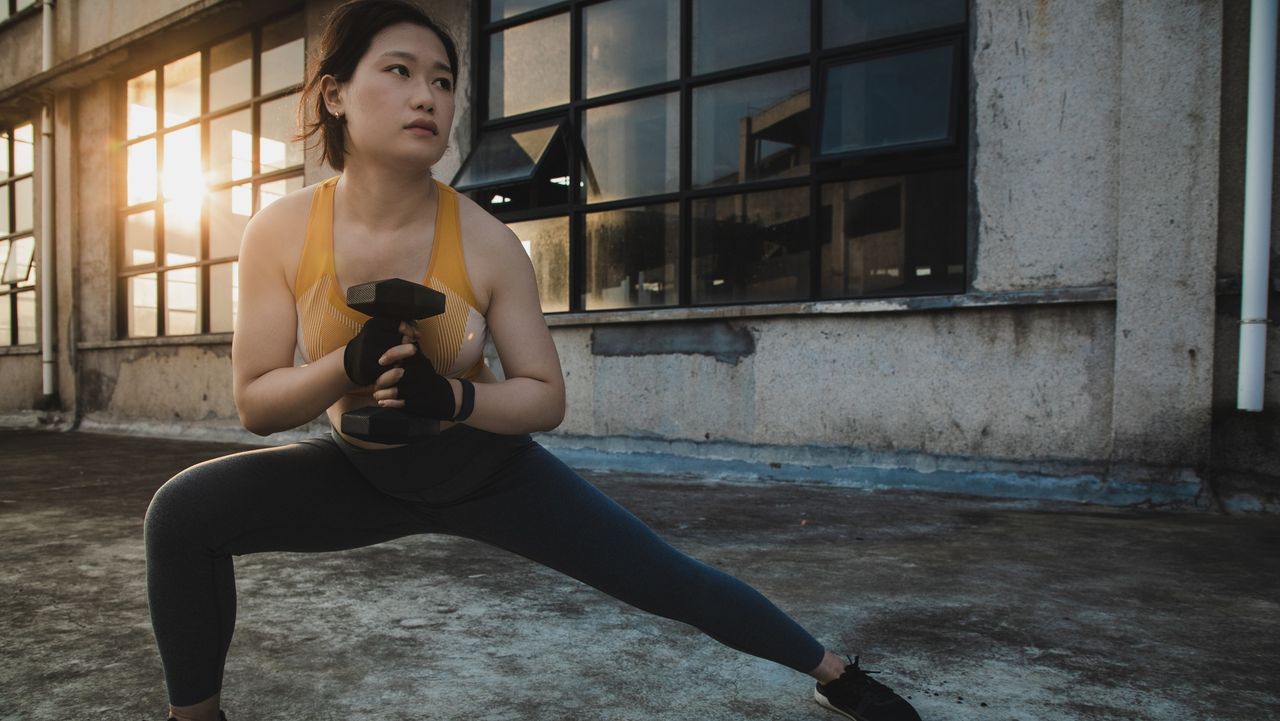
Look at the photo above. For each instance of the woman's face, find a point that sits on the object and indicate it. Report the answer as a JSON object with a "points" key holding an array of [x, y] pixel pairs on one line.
{"points": [[402, 80]]}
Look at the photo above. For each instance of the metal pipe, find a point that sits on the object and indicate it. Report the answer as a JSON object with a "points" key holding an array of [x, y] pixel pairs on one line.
{"points": [[47, 283], [1257, 205]]}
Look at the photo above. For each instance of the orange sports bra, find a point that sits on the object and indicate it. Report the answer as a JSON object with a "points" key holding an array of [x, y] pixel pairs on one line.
{"points": [[453, 341]]}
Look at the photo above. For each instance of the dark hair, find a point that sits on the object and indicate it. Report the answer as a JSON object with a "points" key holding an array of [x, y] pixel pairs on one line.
{"points": [[347, 33]]}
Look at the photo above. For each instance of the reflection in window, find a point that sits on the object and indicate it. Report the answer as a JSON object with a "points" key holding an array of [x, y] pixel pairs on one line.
{"points": [[547, 243], [529, 67], [515, 168], [501, 9], [632, 148], [188, 203], [751, 129], [751, 247], [730, 33], [182, 90], [629, 44], [888, 101], [855, 21], [633, 256], [231, 72], [893, 236]]}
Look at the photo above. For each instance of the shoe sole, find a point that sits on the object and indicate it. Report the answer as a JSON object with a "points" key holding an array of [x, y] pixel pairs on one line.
{"points": [[823, 702]]}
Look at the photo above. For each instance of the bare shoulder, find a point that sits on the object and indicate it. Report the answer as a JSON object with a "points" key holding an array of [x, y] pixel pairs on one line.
{"points": [[282, 228], [491, 244]]}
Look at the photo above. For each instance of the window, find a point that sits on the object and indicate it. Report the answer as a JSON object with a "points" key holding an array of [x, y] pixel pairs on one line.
{"points": [[10, 8], [208, 143], [17, 242], [668, 153]]}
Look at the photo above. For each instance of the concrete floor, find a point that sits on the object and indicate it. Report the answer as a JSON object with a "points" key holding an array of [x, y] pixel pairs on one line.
{"points": [[974, 608]]}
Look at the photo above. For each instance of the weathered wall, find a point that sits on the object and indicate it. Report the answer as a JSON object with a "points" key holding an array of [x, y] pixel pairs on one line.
{"points": [[1012, 382], [1046, 166]]}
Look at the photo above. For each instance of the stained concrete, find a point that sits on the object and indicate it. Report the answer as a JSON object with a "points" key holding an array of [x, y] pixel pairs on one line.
{"points": [[975, 608]]}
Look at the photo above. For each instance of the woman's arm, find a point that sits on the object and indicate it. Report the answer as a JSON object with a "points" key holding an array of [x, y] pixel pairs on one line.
{"points": [[532, 396], [270, 394]]}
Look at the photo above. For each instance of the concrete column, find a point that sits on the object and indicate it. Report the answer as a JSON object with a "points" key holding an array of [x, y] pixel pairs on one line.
{"points": [[1170, 86]]}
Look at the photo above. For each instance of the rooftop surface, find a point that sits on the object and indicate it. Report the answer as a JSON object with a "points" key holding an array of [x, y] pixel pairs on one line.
{"points": [[972, 607]]}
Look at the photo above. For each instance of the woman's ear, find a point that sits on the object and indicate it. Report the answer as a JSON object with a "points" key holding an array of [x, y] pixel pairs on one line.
{"points": [[331, 94]]}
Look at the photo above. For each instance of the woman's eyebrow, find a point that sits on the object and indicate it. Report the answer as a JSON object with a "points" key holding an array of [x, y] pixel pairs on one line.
{"points": [[414, 58]]}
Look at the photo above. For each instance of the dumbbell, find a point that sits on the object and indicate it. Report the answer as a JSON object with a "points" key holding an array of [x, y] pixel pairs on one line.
{"points": [[401, 300]]}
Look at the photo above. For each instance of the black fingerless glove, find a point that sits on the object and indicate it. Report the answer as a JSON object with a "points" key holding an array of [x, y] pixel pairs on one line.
{"points": [[425, 393], [360, 359]]}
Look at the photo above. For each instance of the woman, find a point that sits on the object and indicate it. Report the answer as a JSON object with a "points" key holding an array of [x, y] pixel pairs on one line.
{"points": [[382, 85]]}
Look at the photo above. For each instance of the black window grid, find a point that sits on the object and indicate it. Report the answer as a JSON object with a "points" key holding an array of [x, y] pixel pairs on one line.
{"points": [[10, 292], [949, 153], [255, 180]]}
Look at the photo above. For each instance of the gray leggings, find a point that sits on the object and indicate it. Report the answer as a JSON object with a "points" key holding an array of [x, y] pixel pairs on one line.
{"points": [[324, 494]]}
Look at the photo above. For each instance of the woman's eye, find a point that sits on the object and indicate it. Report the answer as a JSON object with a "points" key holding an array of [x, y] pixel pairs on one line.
{"points": [[406, 70], [446, 83]]}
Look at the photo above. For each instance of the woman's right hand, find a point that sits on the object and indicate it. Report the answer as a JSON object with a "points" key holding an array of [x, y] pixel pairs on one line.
{"points": [[408, 347]]}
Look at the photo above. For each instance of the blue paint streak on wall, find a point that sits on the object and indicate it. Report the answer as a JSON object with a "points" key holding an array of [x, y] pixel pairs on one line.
{"points": [[1086, 488]]}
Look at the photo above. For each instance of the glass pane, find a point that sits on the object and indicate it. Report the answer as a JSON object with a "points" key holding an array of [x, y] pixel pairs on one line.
{"points": [[183, 180], [231, 72], [547, 243], [181, 232], [140, 291], [893, 236], [633, 257], [729, 33], [140, 238], [17, 266], [34, 275], [277, 149], [182, 90], [4, 256], [632, 148], [499, 9], [23, 149], [529, 67], [630, 43], [282, 54], [141, 99], [24, 4], [180, 300], [855, 21], [26, 318], [224, 297], [142, 172], [5, 229], [887, 101], [23, 204], [229, 211], [4, 156], [269, 193], [751, 129], [506, 155], [752, 247], [6, 329], [231, 147]]}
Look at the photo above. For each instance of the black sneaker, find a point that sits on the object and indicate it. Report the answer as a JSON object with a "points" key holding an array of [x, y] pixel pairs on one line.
{"points": [[222, 716], [861, 698]]}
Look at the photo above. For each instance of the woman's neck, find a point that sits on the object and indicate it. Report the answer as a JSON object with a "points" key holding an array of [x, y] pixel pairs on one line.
{"points": [[385, 201]]}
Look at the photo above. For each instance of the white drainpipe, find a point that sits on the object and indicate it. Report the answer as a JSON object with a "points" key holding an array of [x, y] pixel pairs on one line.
{"points": [[47, 275], [1257, 205]]}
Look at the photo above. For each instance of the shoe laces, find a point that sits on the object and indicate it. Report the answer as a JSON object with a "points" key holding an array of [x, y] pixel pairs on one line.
{"points": [[855, 678]]}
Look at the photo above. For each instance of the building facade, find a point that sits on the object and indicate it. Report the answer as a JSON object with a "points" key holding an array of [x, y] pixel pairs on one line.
{"points": [[987, 247]]}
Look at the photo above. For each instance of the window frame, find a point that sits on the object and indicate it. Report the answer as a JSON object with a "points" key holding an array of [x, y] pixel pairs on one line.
{"points": [[9, 292], [122, 272], [949, 154]]}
